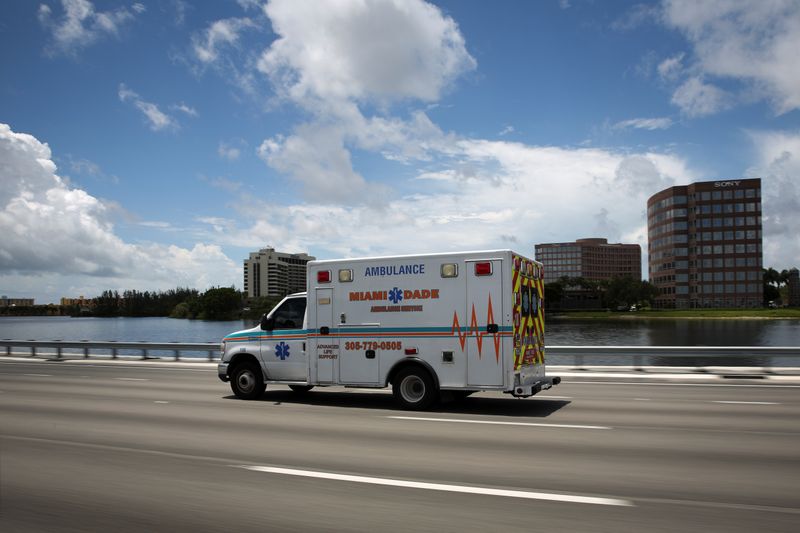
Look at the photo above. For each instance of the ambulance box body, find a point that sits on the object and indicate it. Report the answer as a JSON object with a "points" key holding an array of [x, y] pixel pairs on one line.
{"points": [[424, 324]]}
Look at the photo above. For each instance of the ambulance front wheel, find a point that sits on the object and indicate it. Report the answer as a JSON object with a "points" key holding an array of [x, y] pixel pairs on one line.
{"points": [[247, 382], [413, 388]]}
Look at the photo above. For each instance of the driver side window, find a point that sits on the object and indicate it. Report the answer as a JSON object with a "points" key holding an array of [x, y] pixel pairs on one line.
{"points": [[290, 314]]}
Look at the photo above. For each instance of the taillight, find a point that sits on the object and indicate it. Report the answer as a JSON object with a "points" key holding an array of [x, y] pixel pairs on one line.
{"points": [[323, 276]]}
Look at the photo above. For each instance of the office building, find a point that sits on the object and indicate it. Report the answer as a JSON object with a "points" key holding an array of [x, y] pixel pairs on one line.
{"points": [[794, 288], [591, 259], [704, 244], [5, 301], [276, 274]]}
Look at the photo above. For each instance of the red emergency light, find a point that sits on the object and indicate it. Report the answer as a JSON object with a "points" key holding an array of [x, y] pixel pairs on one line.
{"points": [[323, 276], [483, 269]]}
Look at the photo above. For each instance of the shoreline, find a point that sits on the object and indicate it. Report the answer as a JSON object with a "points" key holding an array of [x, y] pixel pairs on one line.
{"points": [[793, 314]]}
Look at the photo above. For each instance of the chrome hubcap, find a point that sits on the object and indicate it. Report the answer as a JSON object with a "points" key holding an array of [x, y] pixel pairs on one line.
{"points": [[246, 381], [412, 388]]}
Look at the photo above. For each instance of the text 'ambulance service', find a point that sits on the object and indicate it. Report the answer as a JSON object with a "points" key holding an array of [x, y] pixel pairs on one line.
{"points": [[430, 325]]}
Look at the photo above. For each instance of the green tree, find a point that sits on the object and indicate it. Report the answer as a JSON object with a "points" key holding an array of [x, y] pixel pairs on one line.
{"points": [[220, 303]]}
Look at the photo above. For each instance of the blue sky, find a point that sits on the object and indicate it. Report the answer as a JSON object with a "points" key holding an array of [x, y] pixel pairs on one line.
{"points": [[152, 144]]}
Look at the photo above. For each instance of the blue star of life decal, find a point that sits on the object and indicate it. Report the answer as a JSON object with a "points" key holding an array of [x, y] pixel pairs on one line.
{"points": [[282, 350], [395, 295]]}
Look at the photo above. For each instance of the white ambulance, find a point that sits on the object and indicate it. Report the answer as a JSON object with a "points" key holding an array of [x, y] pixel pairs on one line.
{"points": [[431, 325]]}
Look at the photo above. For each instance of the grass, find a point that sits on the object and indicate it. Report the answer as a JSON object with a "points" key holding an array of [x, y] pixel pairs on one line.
{"points": [[683, 313]]}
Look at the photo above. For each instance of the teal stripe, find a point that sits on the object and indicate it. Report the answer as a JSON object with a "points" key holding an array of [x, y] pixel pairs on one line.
{"points": [[346, 332]]}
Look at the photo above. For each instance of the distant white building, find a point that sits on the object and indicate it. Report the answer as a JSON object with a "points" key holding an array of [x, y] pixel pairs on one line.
{"points": [[271, 273]]}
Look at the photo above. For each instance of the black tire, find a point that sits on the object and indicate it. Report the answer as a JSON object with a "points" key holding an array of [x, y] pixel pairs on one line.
{"points": [[414, 389], [301, 389], [247, 381]]}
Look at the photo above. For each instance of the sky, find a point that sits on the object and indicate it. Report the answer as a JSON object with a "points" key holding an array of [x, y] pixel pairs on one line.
{"points": [[154, 144]]}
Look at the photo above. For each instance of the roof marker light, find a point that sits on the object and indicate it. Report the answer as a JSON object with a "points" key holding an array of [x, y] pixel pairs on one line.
{"points": [[483, 269], [449, 270]]}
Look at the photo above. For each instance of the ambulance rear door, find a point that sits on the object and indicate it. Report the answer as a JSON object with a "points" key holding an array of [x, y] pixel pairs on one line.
{"points": [[484, 344]]}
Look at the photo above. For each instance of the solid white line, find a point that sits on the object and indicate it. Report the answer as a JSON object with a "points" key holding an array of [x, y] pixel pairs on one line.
{"points": [[548, 397], [160, 401], [443, 487], [746, 403], [681, 384], [494, 422], [642, 399], [39, 375], [132, 379]]}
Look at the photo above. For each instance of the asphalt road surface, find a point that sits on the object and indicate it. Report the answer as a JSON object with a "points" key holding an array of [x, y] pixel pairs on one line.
{"points": [[102, 447]]}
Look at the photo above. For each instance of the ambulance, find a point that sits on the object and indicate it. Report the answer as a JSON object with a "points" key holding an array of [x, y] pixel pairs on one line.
{"points": [[432, 327]]}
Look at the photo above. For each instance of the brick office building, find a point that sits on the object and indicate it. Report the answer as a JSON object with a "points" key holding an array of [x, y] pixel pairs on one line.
{"points": [[591, 259], [704, 244]]}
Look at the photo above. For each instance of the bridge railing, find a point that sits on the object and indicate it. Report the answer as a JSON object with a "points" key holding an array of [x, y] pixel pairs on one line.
{"points": [[113, 349], [638, 356]]}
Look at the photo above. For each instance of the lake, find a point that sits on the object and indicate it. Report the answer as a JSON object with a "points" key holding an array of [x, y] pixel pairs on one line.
{"points": [[564, 332]]}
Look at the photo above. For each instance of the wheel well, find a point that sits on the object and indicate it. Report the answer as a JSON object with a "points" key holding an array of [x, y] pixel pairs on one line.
{"points": [[412, 363], [240, 358]]}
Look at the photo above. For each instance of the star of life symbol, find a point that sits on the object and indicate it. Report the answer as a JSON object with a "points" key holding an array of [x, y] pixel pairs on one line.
{"points": [[395, 295], [282, 350]]}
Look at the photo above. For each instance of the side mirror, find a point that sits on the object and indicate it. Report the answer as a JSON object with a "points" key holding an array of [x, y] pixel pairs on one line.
{"points": [[267, 324]]}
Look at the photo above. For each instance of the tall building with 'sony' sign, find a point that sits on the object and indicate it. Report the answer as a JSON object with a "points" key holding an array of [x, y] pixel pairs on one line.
{"points": [[705, 245]]}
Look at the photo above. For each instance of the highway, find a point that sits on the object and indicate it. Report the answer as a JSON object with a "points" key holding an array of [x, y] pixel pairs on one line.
{"points": [[155, 447]]}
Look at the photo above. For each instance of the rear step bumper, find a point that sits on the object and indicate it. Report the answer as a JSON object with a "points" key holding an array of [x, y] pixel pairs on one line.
{"points": [[523, 391]]}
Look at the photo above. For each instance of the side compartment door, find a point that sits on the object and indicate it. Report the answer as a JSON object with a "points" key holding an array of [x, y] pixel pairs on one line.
{"points": [[484, 346], [360, 351], [324, 348]]}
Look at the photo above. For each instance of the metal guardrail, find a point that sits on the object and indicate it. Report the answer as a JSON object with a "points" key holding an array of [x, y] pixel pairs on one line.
{"points": [[111, 348], [580, 354]]}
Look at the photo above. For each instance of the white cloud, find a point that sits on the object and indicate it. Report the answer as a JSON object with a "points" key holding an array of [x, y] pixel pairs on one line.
{"points": [[779, 168], [228, 151], [671, 68], [54, 232], [226, 32], [414, 50], [80, 25], [507, 130], [320, 63], [696, 98], [157, 119], [635, 16], [661, 123], [183, 108], [480, 196], [755, 43], [316, 158]]}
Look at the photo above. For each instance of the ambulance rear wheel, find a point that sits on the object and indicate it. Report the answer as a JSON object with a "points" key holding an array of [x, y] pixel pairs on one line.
{"points": [[247, 381], [301, 388], [413, 389]]}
